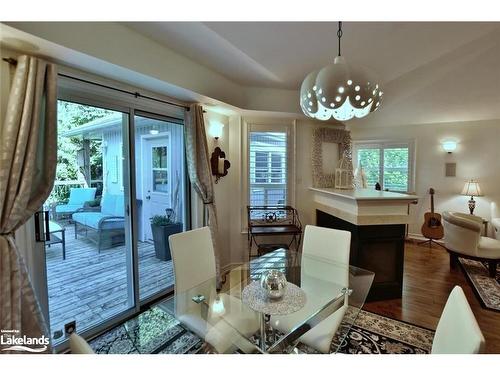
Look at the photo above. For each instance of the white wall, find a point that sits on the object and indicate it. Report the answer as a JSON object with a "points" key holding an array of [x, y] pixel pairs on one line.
{"points": [[223, 187], [477, 156], [230, 195]]}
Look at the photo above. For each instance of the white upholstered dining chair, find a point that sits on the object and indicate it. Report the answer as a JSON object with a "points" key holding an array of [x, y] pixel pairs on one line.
{"points": [[462, 237], [78, 345], [457, 331], [194, 269], [332, 245]]}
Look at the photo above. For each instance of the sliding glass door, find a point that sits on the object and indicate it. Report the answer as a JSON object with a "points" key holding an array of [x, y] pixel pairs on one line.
{"points": [[89, 254], [120, 192], [160, 190]]}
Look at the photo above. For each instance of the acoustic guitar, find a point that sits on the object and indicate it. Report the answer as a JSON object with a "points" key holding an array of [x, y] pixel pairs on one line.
{"points": [[432, 227]]}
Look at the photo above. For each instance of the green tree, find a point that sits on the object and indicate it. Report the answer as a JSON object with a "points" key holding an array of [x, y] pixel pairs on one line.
{"points": [[395, 167], [70, 116]]}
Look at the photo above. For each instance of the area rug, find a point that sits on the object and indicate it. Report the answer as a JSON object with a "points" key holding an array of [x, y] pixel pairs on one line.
{"points": [[377, 334], [486, 288], [158, 332]]}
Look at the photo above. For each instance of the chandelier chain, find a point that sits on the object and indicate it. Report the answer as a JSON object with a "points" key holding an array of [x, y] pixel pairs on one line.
{"points": [[339, 34]]}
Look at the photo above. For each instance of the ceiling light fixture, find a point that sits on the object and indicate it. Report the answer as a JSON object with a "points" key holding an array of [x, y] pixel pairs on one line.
{"points": [[339, 90]]}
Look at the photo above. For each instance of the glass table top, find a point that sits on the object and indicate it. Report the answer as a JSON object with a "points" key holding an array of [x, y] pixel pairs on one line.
{"points": [[331, 295]]}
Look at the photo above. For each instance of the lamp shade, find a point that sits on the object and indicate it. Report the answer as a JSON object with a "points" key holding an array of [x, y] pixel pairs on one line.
{"points": [[216, 129], [339, 91], [472, 189], [449, 146]]}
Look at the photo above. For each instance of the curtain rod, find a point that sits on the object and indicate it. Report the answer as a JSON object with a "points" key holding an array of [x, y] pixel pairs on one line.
{"points": [[137, 94]]}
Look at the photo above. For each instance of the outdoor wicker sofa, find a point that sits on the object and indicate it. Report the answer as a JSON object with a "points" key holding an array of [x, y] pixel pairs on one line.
{"points": [[106, 223]]}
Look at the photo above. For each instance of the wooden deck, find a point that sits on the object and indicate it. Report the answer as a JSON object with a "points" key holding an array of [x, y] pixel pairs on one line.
{"points": [[90, 287]]}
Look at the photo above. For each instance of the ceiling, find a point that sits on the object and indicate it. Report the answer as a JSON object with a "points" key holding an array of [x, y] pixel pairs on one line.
{"points": [[431, 72], [280, 54]]}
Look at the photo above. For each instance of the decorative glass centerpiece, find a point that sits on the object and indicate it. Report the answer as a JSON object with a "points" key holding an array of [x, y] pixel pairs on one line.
{"points": [[273, 282]]}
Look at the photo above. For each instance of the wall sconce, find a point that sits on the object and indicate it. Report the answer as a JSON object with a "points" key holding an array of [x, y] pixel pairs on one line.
{"points": [[449, 146], [219, 164], [216, 129]]}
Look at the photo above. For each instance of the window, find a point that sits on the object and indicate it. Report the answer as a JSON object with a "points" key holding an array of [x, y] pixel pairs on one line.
{"points": [[159, 169], [268, 168], [387, 163]]}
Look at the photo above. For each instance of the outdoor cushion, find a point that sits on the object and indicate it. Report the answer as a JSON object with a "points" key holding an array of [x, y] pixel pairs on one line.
{"points": [[108, 203], [92, 219], [78, 196], [68, 208], [119, 206], [113, 205], [77, 199]]}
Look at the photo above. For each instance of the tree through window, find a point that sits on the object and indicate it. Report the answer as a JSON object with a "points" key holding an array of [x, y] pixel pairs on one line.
{"points": [[386, 163]]}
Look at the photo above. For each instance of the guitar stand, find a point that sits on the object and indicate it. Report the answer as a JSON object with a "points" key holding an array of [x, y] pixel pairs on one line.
{"points": [[430, 241]]}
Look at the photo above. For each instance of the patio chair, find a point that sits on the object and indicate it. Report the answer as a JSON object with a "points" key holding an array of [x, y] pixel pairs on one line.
{"points": [[77, 199], [108, 223]]}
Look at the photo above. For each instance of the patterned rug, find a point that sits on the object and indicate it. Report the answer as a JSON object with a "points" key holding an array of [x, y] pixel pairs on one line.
{"points": [[487, 288], [158, 332]]}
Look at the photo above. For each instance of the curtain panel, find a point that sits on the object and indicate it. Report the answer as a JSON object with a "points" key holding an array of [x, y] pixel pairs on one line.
{"points": [[28, 157], [198, 162]]}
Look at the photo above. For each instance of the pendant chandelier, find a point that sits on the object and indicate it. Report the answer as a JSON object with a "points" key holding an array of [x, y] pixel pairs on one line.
{"points": [[339, 90]]}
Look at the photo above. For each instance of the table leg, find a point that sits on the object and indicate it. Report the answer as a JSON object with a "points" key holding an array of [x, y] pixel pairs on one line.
{"points": [[267, 335], [263, 332], [64, 243]]}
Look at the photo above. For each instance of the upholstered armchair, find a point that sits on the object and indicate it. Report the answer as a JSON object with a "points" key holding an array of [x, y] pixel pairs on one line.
{"points": [[462, 237], [495, 219]]}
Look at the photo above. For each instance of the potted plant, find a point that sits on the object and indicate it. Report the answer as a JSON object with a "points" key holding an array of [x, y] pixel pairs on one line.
{"points": [[162, 226]]}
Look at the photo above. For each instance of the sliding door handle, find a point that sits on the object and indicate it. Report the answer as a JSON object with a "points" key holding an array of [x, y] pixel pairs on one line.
{"points": [[47, 225], [38, 234]]}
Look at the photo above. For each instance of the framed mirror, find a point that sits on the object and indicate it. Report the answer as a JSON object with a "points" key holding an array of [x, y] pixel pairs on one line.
{"points": [[329, 148]]}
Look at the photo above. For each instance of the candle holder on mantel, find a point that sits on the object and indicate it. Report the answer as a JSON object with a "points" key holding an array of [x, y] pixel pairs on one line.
{"points": [[219, 164]]}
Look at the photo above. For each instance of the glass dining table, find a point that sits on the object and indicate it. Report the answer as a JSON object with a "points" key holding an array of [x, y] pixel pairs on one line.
{"points": [[322, 299]]}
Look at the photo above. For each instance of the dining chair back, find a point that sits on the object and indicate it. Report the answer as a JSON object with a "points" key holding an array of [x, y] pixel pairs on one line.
{"points": [[195, 274], [322, 249], [457, 331], [193, 257], [78, 345], [329, 244]]}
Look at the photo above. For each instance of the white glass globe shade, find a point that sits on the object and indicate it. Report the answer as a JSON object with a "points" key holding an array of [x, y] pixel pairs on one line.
{"points": [[449, 146], [340, 91]]}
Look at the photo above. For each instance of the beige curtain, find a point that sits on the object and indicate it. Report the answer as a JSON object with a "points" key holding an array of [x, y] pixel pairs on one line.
{"points": [[199, 170], [28, 156]]}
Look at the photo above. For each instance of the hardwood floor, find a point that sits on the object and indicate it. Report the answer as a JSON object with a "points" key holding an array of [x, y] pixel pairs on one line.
{"points": [[427, 283], [90, 287]]}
